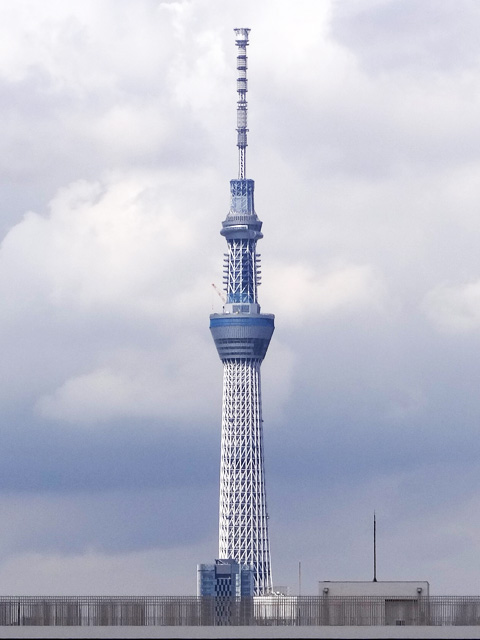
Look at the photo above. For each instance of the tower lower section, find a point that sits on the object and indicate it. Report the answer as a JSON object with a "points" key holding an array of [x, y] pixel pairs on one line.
{"points": [[243, 528], [242, 341]]}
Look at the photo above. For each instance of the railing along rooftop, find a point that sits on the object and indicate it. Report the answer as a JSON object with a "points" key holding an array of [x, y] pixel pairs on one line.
{"points": [[258, 611]]}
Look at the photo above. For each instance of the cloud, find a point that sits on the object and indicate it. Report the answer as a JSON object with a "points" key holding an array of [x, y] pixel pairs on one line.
{"points": [[101, 245], [101, 276], [165, 383], [96, 573], [405, 36], [105, 521], [454, 308], [297, 291], [278, 375]]}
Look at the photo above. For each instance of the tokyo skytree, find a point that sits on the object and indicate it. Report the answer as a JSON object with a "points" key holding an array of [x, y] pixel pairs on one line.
{"points": [[242, 335]]}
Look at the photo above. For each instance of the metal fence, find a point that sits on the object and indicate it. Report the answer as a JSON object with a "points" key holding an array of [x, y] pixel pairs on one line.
{"points": [[258, 611]]}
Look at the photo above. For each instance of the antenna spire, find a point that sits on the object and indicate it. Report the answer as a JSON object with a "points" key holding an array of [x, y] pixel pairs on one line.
{"points": [[374, 547], [241, 40]]}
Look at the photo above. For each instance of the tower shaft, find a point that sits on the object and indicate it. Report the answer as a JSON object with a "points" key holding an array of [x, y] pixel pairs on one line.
{"points": [[243, 530], [242, 335]]}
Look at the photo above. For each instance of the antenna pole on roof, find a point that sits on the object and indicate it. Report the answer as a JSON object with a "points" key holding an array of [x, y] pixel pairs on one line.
{"points": [[374, 547]]}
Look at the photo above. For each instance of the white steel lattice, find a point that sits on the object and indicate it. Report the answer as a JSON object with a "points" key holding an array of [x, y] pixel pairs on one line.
{"points": [[241, 271], [243, 532]]}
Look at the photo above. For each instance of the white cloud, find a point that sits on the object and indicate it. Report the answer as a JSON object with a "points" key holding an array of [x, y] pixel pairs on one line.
{"points": [[117, 259], [175, 382], [298, 291], [102, 245], [113, 262], [454, 308]]}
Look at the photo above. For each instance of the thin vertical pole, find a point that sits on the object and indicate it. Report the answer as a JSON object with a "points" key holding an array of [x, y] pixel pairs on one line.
{"points": [[374, 547], [299, 578]]}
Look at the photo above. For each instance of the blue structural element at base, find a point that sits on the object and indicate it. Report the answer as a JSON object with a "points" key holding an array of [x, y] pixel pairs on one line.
{"points": [[242, 335], [237, 320]]}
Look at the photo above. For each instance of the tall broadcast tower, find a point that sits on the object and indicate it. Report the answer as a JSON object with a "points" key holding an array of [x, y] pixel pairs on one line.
{"points": [[242, 335]]}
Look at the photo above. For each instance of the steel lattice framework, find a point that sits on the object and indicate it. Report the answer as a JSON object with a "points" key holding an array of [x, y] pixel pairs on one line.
{"points": [[243, 531], [242, 335], [241, 271]]}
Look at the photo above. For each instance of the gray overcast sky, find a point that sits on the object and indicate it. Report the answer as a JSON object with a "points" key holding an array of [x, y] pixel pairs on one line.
{"points": [[118, 140]]}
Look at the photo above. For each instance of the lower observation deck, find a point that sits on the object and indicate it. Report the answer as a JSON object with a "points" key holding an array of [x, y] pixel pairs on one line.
{"points": [[239, 335]]}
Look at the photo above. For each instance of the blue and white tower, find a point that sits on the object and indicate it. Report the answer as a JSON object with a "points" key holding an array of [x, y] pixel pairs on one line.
{"points": [[242, 335]]}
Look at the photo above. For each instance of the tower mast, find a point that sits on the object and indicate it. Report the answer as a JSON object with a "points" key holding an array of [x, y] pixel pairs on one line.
{"points": [[242, 335], [241, 41]]}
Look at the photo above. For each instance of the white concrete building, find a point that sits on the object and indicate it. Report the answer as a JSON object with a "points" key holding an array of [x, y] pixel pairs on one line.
{"points": [[384, 603], [386, 588]]}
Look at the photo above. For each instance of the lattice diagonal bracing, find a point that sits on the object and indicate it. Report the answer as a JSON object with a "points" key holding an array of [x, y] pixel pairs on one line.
{"points": [[241, 271], [243, 533]]}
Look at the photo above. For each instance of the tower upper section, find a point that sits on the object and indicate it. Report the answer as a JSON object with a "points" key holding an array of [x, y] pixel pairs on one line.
{"points": [[242, 221], [241, 331]]}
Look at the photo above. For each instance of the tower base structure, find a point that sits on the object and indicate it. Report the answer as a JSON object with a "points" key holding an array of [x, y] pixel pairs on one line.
{"points": [[242, 341]]}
